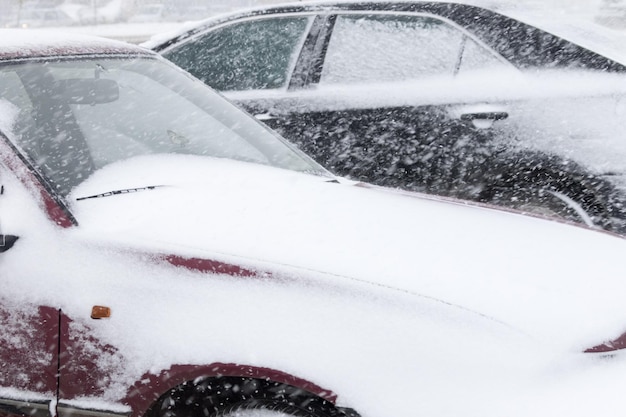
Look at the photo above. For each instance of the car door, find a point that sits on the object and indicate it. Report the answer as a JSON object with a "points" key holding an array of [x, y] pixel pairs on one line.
{"points": [[377, 105], [45, 356], [28, 357], [29, 330]]}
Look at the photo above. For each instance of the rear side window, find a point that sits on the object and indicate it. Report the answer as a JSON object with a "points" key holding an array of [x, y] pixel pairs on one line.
{"points": [[375, 48], [251, 55]]}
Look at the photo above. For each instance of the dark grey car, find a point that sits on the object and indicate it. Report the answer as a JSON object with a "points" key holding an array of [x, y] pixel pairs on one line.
{"points": [[424, 96]]}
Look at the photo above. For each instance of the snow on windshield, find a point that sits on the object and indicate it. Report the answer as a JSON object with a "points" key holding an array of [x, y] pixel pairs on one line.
{"points": [[97, 111]]}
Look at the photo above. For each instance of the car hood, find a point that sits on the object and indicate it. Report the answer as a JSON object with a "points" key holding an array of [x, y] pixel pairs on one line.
{"points": [[549, 279]]}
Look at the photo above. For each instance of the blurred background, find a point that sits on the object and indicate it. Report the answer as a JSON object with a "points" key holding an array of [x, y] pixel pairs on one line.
{"points": [[104, 17]]}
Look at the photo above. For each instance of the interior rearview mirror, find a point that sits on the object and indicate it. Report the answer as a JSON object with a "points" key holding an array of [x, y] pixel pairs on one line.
{"points": [[86, 90]]}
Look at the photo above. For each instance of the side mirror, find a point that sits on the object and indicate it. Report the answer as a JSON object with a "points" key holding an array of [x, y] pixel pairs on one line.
{"points": [[7, 242]]}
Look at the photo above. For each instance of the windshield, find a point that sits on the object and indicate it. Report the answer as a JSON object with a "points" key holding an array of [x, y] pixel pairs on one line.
{"points": [[73, 117]]}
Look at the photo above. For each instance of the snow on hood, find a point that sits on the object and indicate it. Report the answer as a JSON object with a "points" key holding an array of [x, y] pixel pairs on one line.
{"points": [[311, 325], [513, 268], [374, 314]]}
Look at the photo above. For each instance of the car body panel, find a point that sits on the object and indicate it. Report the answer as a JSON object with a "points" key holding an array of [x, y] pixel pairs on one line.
{"points": [[271, 207], [30, 348]]}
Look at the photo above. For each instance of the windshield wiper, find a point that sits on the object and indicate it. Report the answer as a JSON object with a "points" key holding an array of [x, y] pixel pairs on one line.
{"points": [[117, 192]]}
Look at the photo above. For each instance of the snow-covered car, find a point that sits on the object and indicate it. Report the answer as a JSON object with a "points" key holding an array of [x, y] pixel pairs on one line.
{"points": [[164, 254], [439, 97]]}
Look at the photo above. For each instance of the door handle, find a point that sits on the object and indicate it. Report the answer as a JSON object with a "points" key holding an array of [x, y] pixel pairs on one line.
{"points": [[484, 120], [491, 115], [265, 116]]}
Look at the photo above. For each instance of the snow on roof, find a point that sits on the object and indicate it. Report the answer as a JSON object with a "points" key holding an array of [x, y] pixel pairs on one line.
{"points": [[22, 43]]}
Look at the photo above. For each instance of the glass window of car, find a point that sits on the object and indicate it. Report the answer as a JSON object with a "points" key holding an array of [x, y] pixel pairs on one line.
{"points": [[368, 48], [250, 55], [73, 127]]}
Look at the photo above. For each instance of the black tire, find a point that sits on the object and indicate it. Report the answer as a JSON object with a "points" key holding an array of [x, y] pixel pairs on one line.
{"points": [[263, 408], [233, 396]]}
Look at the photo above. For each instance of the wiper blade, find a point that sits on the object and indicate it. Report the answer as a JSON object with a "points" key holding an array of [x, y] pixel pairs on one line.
{"points": [[118, 192]]}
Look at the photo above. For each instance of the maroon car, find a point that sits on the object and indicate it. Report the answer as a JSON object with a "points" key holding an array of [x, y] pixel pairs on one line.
{"points": [[162, 254]]}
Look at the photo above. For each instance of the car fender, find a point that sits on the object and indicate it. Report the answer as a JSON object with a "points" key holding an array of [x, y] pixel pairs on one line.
{"points": [[152, 386]]}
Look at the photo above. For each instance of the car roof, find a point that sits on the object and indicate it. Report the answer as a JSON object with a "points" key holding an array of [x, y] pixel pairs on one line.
{"points": [[159, 42], [24, 43], [581, 32]]}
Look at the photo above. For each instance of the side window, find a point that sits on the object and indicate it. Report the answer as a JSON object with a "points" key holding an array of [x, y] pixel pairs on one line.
{"points": [[251, 55], [366, 48]]}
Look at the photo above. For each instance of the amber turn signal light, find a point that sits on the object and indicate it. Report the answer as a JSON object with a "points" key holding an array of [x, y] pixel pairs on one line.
{"points": [[100, 312]]}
